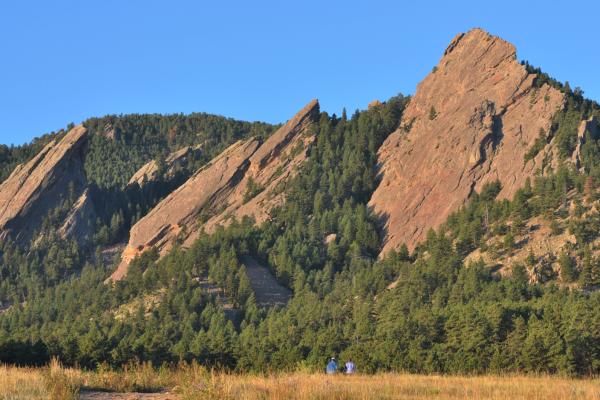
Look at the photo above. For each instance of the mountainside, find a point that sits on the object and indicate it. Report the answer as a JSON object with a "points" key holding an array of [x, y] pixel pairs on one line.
{"points": [[152, 170], [253, 247], [470, 122], [241, 181], [36, 187]]}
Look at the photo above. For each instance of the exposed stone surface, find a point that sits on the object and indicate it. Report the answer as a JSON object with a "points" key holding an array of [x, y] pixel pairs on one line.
{"points": [[149, 172], [590, 126], [331, 238], [471, 121], [273, 163], [536, 238], [247, 179], [375, 103], [206, 190], [79, 222], [267, 291], [40, 185], [109, 132]]}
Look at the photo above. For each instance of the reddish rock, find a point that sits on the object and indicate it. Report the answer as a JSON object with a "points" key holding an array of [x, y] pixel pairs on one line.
{"points": [[174, 161], [273, 163], [79, 223], [375, 103], [39, 185], [109, 132], [471, 121], [331, 238], [589, 126], [247, 179]]}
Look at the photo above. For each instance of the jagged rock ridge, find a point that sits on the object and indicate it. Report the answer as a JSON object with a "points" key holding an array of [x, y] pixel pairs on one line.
{"points": [[79, 222], [247, 179], [149, 172], [589, 126], [471, 121], [39, 185]]}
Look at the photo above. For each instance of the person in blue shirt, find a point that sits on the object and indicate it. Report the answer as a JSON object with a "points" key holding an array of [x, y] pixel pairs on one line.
{"points": [[350, 367], [331, 366]]}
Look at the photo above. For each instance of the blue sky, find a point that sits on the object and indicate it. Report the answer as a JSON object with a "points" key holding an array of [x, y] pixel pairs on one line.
{"points": [[64, 61]]}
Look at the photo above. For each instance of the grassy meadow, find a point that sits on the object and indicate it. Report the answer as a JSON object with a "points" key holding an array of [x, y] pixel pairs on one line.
{"points": [[195, 382]]}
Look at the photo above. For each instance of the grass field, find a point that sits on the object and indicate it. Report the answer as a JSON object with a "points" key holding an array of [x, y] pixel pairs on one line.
{"points": [[194, 382]]}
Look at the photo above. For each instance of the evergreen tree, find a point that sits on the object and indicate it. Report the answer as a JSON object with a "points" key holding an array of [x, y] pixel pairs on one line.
{"points": [[568, 268]]}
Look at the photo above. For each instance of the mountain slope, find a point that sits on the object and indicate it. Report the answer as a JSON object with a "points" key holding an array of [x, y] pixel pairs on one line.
{"points": [[525, 300], [152, 170], [471, 121], [241, 181], [36, 187]]}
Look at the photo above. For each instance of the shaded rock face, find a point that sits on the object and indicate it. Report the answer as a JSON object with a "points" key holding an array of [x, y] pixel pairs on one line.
{"points": [[589, 126], [78, 223], [109, 132], [471, 121], [149, 172], [40, 185], [247, 179], [267, 291]]}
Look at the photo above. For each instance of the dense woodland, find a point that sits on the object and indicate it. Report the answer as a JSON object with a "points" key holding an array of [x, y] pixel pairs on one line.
{"points": [[428, 311], [122, 144]]}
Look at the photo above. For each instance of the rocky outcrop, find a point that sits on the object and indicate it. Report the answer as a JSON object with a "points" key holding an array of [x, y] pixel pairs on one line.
{"points": [[589, 126], [79, 223], [274, 162], [247, 179], [267, 291], [108, 132], [149, 172], [471, 121], [41, 184]]}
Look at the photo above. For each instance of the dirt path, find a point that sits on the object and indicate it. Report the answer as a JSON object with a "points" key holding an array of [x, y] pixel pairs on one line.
{"points": [[267, 290], [89, 395]]}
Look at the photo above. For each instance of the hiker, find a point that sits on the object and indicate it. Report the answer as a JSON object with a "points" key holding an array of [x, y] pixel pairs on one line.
{"points": [[350, 367], [331, 366]]}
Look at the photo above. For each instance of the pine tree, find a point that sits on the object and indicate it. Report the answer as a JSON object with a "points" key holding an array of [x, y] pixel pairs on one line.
{"points": [[519, 275], [509, 242], [588, 189], [586, 277], [432, 113], [568, 268]]}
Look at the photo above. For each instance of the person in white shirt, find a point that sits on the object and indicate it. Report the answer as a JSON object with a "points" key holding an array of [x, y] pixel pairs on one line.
{"points": [[350, 367]]}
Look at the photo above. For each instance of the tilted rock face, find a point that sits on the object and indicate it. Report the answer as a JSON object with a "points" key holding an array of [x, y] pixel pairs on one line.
{"points": [[79, 222], [244, 180], [38, 186], [588, 126], [273, 163], [471, 121], [149, 171]]}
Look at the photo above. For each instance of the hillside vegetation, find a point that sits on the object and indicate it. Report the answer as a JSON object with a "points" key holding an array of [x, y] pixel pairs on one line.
{"points": [[503, 286]]}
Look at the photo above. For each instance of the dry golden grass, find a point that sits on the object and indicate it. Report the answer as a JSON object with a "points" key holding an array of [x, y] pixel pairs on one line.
{"points": [[401, 386], [61, 383], [188, 382], [53, 382], [21, 383]]}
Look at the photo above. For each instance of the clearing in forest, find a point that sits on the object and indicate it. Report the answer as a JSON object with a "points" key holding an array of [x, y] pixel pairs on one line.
{"points": [[267, 291]]}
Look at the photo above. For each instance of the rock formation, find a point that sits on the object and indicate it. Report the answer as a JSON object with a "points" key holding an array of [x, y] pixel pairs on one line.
{"points": [[149, 172], [589, 126], [247, 179], [79, 222], [41, 184], [471, 121]]}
